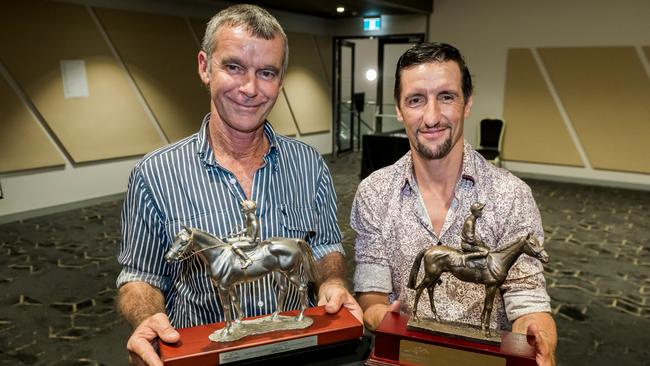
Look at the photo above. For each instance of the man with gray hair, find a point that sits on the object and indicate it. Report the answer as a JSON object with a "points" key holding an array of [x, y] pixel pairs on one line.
{"points": [[201, 181]]}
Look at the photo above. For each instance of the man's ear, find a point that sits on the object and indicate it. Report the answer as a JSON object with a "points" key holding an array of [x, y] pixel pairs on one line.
{"points": [[398, 112], [203, 68], [468, 106]]}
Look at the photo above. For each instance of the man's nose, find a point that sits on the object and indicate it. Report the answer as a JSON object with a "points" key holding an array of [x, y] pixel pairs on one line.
{"points": [[431, 115], [249, 85]]}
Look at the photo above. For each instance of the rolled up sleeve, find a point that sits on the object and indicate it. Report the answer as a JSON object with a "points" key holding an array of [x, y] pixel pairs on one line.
{"points": [[328, 233], [142, 252], [373, 271], [524, 290]]}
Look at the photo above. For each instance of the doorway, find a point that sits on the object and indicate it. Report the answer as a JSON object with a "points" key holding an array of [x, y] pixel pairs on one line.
{"points": [[364, 78]]}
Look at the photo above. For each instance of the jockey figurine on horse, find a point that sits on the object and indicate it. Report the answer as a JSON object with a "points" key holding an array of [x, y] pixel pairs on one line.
{"points": [[470, 241], [251, 238]]}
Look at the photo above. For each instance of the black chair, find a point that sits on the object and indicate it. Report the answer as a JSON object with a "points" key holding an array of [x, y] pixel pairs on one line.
{"points": [[490, 140], [382, 149]]}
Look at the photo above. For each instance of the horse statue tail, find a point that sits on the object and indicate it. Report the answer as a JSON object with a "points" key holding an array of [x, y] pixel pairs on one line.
{"points": [[415, 269], [308, 261]]}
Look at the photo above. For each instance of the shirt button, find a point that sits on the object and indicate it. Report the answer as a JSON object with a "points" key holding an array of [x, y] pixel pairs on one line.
{"points": [[260, 304], [233, 181]]}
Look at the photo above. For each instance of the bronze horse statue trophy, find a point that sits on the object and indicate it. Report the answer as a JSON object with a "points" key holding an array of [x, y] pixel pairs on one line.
{"points": [[283, 257], [440, 259]]}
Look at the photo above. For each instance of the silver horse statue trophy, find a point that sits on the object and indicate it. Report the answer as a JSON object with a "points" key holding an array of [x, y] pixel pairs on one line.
{"points": [[283, 257], [439, 259]]}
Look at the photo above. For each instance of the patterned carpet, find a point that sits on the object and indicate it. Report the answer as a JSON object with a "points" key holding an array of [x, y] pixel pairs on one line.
{"points": [[57, 277]]}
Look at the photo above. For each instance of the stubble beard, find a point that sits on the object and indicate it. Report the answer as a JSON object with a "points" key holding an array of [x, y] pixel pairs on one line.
{"points": [[440, 152]]}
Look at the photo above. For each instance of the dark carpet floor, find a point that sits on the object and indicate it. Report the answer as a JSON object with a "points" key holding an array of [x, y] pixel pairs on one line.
{"points": [[57, 277]]}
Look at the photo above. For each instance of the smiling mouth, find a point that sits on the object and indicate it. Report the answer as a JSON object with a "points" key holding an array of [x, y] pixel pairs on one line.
{"points": [[432, 132]]}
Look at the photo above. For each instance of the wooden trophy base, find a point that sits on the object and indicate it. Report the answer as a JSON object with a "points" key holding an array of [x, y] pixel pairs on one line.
{"points": [[397, 345], [195, 349]]}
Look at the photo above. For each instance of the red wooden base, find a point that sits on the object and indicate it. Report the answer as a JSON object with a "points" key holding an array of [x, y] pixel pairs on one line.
{"points": [[195, 349], [395, 344]]}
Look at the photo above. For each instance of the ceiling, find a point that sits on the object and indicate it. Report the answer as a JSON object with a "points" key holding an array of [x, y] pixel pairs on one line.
{"points": [[353, 8]]}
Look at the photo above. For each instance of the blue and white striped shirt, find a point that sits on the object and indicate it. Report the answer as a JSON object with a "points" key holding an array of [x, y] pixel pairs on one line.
{"points": [[183, 184]]}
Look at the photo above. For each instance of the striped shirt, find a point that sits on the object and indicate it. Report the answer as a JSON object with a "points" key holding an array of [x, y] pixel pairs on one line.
{"points": [[183, 184]]}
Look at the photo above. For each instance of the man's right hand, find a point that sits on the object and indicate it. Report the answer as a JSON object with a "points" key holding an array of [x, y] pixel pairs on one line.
{"points": [[140, 345]]}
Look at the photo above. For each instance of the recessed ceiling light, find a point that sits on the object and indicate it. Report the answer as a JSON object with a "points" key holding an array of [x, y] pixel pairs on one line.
{"points": [[340, 9]]}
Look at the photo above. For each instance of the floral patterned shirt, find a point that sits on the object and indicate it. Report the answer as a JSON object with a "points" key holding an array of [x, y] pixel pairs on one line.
{"points": [[393, 225]]}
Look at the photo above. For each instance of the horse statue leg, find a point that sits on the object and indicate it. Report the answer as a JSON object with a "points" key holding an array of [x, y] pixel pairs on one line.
{"points": [[304, 298], [238, 314], [224, 296], [281, 280], [428, 282], [431, 289], [490, 292], [295, 278]]}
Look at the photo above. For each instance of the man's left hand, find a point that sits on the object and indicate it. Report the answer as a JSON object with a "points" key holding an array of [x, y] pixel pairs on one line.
{"points": [[334, 295], [541, 327], [543, 352]]}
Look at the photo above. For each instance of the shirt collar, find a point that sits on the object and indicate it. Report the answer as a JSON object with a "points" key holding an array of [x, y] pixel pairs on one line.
{"points": [[468, 170], [206, 154]]}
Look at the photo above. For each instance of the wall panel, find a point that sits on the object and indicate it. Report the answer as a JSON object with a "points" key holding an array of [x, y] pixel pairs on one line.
{"points": [[198, 27], [281, 118], [160, 54], [23, 143], [606, 93], [325, 51], [534, 130], [306, 85], [110, 122]]}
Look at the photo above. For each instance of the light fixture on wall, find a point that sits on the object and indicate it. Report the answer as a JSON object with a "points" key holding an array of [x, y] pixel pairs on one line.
{"points": [[340, 9], [371, 74]]}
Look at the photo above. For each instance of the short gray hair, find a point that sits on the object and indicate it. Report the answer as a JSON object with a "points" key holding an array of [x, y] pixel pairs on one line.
{"points": [[259, 23]]}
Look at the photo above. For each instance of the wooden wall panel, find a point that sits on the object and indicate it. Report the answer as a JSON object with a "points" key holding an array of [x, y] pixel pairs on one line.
{"points": [[23, 143], [306, 85], [534, 130], [606, 93], [281, 118], [325, 52], [160, 54], [198, 27], [110, 122]]}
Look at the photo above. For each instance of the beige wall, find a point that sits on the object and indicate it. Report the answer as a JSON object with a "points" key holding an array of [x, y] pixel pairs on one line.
{"points": [[485, 31], [143, 93], [91, 127]]}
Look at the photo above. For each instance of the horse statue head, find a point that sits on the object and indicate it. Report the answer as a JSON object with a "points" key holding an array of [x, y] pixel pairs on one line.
{"points": [[181, 245], [535, 249]]}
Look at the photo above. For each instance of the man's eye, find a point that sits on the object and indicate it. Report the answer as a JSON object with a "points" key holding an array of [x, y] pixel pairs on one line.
{"points": [[233, 68], [267, 74], [414, 101], [447, 98]]}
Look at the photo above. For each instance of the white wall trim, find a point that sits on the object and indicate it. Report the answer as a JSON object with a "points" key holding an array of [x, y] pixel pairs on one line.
{"points": [[580, 175], [59, 208]]}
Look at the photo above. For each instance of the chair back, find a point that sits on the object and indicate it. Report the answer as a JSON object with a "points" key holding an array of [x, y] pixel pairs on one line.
{"points": [[491, 134]]}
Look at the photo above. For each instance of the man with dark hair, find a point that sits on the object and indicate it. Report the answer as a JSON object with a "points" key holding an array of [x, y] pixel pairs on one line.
{"points": [[202, 180], [423, 200]]}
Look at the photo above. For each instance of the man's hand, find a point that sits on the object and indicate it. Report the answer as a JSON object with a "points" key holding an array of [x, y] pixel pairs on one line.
{"points": [[375, 305], [542, 327], [333, 295], [543, 349], [141, 349]]}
